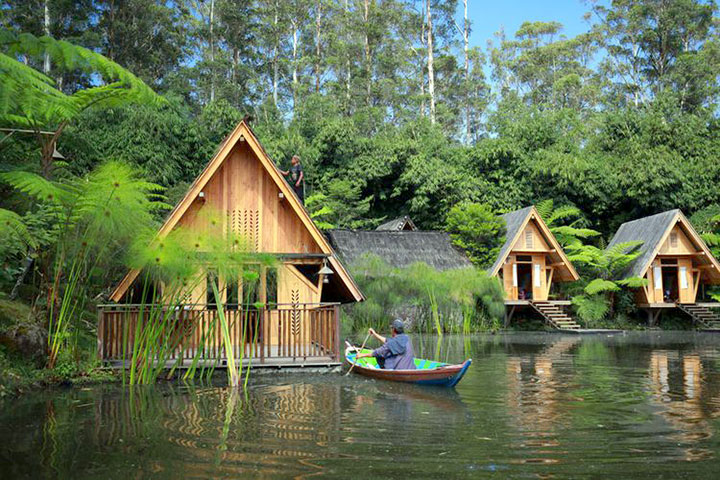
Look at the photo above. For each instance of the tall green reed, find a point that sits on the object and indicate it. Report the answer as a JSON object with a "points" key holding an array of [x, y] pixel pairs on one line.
{"points": [[186, 262], [460, 301]]}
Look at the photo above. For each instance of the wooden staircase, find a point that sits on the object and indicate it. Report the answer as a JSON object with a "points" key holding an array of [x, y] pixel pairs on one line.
{"points": [[555, 316], [704, 317]]}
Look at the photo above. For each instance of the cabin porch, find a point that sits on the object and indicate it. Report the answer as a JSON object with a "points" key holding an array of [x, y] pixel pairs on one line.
{"points": [[287, 335]]}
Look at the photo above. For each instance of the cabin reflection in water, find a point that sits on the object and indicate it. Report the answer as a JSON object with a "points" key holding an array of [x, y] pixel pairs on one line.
{"points": [[677, 384], [256, 433], [533, 396]]}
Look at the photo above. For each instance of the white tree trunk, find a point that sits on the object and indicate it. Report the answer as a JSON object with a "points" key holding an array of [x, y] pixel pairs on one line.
{"points": [[431, 70], [466, 50], [276, 66], [46, 62], [294, 62], [368, 60], [318, 32], [212, 51], [347, 61]]}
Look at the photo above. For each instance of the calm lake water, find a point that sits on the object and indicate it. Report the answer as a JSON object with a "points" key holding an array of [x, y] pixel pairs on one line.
{"points": [[641, 405]]}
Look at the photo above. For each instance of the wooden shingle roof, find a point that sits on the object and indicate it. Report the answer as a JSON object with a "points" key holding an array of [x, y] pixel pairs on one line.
{"points": [[652, 232], [515, 223]]}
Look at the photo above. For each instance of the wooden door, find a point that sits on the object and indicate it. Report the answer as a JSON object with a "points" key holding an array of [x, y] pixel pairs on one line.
{"points": [[686, 289], [538, 278], [510, 278]]}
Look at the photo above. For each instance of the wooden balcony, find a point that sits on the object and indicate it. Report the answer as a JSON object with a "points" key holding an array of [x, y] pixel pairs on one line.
{"points": [[284, 335]]}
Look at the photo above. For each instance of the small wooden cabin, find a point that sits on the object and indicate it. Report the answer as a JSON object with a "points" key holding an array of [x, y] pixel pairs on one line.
{"points": [[301, 296], [531, 260], [675, 260], [400, 224]]}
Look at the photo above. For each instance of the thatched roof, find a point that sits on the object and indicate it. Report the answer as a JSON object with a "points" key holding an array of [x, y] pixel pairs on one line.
{"points": [[515, 222], [652, 232], [398, 224], [399, 249]]}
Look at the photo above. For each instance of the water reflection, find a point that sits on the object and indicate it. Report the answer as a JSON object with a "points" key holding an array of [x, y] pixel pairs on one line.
{"points": [[542, 406], [681, 404]]}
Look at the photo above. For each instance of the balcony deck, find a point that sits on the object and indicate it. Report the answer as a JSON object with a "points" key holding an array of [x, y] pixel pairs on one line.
{"points": [[296, 335]]}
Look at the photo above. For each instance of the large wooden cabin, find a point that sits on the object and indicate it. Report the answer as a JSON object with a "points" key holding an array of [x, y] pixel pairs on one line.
{"points": [[674, 260], [531, 260], [300, 322]]}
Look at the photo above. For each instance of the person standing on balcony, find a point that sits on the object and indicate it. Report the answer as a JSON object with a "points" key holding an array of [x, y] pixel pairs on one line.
{"points": [[297, 177]]}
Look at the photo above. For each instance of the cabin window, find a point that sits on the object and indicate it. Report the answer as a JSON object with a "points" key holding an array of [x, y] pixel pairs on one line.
{"points": [[673, 240], [210, 278], [528, 238], [231, 295], [668, 261], [271, 279], [524, 258], [251, 285]]}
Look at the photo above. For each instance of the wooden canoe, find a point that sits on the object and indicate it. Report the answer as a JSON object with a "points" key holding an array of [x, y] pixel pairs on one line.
{"points": [[427, 372]]}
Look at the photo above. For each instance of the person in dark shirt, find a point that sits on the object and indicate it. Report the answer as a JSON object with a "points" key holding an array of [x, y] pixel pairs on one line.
{"points": [[396, 353], [297, 178]]}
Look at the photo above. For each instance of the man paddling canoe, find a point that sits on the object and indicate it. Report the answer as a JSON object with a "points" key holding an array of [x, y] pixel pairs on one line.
{"points": [[396, 353]]}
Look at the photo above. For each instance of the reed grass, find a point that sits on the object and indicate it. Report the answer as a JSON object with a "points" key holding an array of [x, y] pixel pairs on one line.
{"points": [[460, 301]]}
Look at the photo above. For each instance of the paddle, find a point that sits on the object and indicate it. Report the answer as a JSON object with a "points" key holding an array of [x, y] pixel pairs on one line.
{"points": [[356, 354]]}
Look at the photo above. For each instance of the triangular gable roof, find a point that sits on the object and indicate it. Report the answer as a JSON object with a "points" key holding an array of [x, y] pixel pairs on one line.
{"points": [[240, 133], [515, 223], [398, 224], [653, 231]]}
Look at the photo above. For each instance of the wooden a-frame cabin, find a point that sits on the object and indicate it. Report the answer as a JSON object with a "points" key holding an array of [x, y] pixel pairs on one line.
{"points": [[300, 321], [676, 263], [529, 263]]}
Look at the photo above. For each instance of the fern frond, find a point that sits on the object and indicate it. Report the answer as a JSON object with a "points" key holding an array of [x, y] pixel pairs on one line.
{"points": [[633, 282], [575, 232], [12, 225], [38, 187], [564, 212], [545, 208], [600, 285]]}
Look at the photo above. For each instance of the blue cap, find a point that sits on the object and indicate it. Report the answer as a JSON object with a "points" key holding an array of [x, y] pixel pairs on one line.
{"points": [[398, 325]]}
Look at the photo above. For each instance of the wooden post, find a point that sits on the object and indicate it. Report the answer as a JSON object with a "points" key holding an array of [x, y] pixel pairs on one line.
{"points": [[100, 334], [336, 311]]}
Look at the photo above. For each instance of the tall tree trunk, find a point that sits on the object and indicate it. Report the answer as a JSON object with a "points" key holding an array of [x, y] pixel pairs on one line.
{"points": [[423, 42], [212, 51], [46, 24], [318, 31], [431, 70], [294, 63], [368, 58], [276, 66], [347, 59], [466, 50]]}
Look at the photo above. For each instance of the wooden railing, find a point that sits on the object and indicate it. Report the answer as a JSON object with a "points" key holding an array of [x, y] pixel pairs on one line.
{"points": [[283, 334]]}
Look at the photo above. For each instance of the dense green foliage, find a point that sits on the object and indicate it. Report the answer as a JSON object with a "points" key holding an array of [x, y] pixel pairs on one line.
{"points": [[477, 230], [612, 121]]}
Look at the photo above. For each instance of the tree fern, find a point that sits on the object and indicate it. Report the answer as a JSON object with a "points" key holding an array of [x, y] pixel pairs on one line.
{"points": [[13, 229], [31, 99], [39, 188], [600, 285]]}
